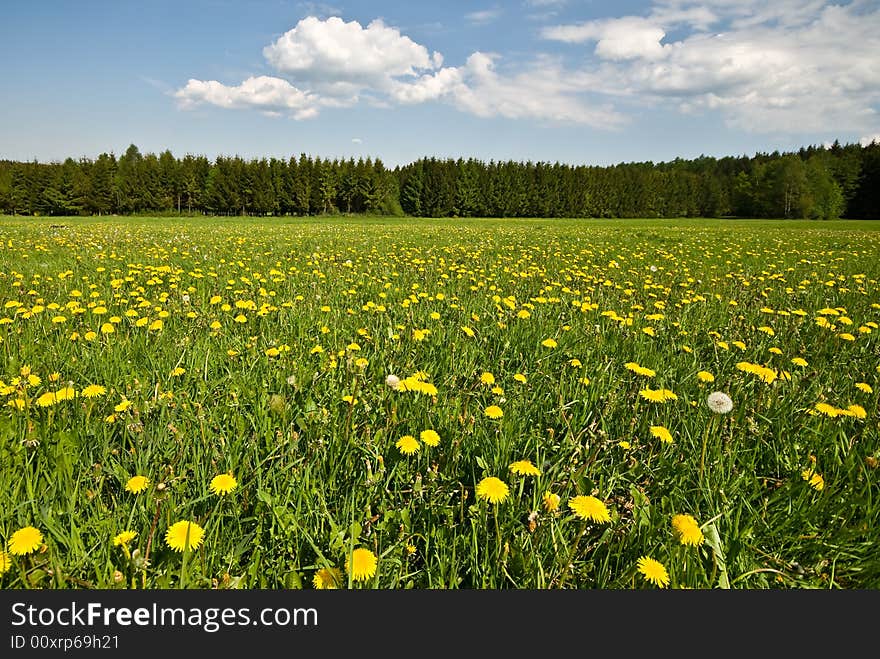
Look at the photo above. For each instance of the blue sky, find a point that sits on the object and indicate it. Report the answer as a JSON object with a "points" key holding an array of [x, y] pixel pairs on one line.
{"points": [[553, 80]]}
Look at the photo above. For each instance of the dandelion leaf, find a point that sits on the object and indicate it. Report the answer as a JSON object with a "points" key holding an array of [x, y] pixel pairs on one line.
{"points": [[713, 539]]}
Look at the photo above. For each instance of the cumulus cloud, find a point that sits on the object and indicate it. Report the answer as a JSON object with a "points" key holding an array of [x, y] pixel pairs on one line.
{"points": [[333, 63], [786, 65], [867, 140], [262, 92]]}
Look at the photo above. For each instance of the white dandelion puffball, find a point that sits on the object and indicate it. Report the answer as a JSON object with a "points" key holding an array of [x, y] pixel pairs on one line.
{"points": [[392, 381], [719, 402]]}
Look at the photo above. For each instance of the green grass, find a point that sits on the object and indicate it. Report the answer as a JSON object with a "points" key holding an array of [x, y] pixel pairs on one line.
{"points": [[318, 476]]}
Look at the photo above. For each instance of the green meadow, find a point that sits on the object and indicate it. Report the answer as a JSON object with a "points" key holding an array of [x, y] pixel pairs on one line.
{"points": [[460, 403]]}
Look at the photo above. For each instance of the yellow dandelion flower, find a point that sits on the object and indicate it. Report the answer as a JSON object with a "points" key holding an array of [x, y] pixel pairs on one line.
{"points": [[625, 445], [123, 405], [705, 376], [550, 501], [327, 578], [407, 445], [430, 437], [492, 489], [177, 371], [137, 484], [524, 468], [519, 377], [799, 361], [686, 530], [661, 433], [47, 399], [25, 541], [93, 391], [589, 508], [828, 410], [124, 538], [487, 378], [468, 331], [855, 410], [864, 386], [362, 564], [184, 535], [653, 571], [223, 484], [493, 412], [5, 562], [549, 343], [815, 480]]}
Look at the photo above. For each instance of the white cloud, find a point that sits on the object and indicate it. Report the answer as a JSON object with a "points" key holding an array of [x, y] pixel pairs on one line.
{"points": [[269, 94], [331, 63], [616, 38], [868, 139], [482, 17], [791, 66], [356, 140], [329, 52]]}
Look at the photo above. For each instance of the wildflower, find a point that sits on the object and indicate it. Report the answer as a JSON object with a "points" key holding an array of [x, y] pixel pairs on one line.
{"points": [[575, 363], [653, 571], [430, 437], [123, 405], [549, 343], [94, 390], [589, 508], [223, 484], [864, 386], [184, 535], [362, 564], [686, 530], [327, 578], [657, 395], [492, 489], [799, 361], [468, 331], [855, 410], [137, 484], [519, 377], [662, 434], [494, 412], [640, 370], [625, 445], [705, 376], [815, 480], [124, 538], [487, 378], [828, 410], [550, 501], [392, 381], [719, 402], [407, 445], [5, 563], [524, 468], [25, 541]]}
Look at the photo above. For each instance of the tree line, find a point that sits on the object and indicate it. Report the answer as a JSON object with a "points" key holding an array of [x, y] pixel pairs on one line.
{"points": [[815, 182]]}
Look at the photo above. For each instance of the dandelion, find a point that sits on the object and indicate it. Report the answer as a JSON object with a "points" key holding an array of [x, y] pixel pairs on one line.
{"points": [[799, 361], [519, 377], [864, 386], [640, 370], [5, 562], [137, 484], [122, 539], [855, 410], [657, 395], [487, 378], [392, 381], [93, 391], [550, 501], [430, 437], [686, 530], [223, 484], [589, 508], [25, 541], [362, 564], [177, 371], [492, 489], [123, 405], [653, 571], [719, 402], [661, 433], [184, 535], [549, 343], [524, 468], [493, 412], [327, 578], [815, 480], [407, 445], [705, 376]]}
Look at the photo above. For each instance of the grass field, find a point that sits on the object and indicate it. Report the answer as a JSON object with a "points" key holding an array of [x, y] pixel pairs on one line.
{"points": [[398, 403]]}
